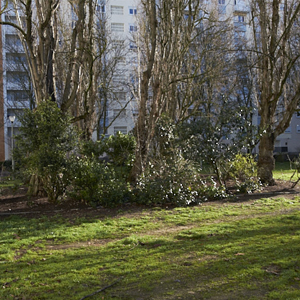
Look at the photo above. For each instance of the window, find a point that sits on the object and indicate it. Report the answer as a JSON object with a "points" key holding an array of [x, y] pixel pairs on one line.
{"points": [[13, 42], [132, 11], [222, 2], [117, 27], [122, 61], [116, 10], [288, 130], [132, 45], [298, 128], [298, 114], [11, 19], [18, 78], [120, 113], [117, 78], [100, 8], [117, 43], [122, 129], [16, 61], [241, 19], [120, 96], [132, 28], [16, 95]]}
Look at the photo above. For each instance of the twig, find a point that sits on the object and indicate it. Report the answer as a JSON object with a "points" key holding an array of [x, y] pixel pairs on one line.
{"points": [[104, 288], [295, 183]]}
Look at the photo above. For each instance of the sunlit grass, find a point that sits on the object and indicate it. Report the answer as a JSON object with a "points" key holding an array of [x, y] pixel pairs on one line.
{"points": [[246, 250], [9, 182], [284, 171]]}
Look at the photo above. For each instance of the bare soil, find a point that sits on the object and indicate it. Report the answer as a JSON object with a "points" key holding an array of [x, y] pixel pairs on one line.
{"points": [[19, 203]]}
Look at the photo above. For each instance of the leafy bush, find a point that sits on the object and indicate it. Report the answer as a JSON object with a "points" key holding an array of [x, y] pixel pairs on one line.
{"points": [[208, 189], [242, 169], [168, 183], [95, 183], [172, 179], [43, 149], [216, 137], [120, 149], [117, 149], [92, 149]]}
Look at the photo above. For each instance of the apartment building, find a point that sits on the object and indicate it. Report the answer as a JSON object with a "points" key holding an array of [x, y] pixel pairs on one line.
{"points": [[122, 26], [15, 85]]}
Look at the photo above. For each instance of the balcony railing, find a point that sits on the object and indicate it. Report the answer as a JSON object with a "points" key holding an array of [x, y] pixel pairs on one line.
{"points": [[241, 8]]}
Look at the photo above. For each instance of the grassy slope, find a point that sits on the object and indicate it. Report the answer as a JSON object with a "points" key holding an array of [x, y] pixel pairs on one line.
{"points": [[214, 251]]}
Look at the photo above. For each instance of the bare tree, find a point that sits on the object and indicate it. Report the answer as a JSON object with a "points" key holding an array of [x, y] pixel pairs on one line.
{"points": [[58, 39], [275, 34], [70, 56], [181, 47]]}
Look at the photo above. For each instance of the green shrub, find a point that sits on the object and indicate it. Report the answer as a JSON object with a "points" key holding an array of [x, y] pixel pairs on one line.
{"points": [[242, 169], [208, 189], [166, 182], [117, 149], [95, 183], [120, 149], [216, 137], [169, 177], [43, 149], [92, 148]]}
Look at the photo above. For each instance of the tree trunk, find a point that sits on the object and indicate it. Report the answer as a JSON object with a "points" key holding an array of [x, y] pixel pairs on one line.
{"points": [[266, 161], [35, 187]]}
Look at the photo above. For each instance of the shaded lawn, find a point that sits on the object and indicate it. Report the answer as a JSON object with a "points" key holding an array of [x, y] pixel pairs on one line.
{"points": [[215, 251], [284, 171]]}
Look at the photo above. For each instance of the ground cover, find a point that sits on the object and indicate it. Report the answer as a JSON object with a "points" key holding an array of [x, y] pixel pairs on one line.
{"points": [[285, 171], [243, 248]]}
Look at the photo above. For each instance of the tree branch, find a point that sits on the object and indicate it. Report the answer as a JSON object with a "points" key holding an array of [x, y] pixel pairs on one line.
{"points": [[104, 288]]}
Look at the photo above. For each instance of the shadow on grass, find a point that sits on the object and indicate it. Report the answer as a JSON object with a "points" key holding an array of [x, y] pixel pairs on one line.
{"points": [[256, 258]]}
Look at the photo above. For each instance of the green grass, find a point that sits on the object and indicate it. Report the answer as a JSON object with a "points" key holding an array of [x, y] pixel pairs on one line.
{"points": [[284, 171], [246, 250], [9, 183]]}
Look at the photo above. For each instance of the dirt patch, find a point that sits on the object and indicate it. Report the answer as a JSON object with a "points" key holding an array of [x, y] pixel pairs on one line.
{"points": [[18, 203]]}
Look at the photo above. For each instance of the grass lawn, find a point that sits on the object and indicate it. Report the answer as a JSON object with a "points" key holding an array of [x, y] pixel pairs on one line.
{"points": [[233, 250], [284, 171]]}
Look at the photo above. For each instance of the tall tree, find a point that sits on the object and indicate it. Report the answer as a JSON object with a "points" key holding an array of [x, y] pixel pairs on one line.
{"points": [[58, 38], [275, 34], [174, 39]]}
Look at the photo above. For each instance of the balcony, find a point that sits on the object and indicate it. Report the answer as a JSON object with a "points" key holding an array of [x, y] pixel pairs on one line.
{"points": [[241, 8]]}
